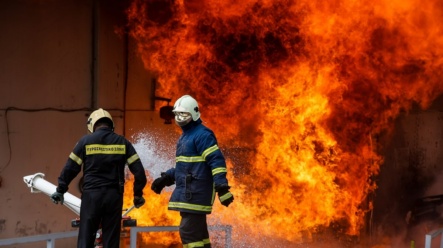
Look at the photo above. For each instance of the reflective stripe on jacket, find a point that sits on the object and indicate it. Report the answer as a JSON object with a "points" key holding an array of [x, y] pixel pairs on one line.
{"points": [[199, 166], [103, 156]]}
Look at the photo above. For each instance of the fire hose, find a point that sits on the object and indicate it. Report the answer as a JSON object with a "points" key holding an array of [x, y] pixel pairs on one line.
{"points": [[40, 185]]}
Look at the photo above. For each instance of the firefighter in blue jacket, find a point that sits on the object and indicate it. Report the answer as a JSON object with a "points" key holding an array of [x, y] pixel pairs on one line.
{"points": [[103, 155], [199, 173]]}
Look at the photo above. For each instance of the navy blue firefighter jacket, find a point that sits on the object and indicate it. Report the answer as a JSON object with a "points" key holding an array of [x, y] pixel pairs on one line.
{"points": [[200, 165]]}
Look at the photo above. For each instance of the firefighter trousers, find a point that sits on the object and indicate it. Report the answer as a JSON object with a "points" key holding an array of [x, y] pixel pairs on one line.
{"points": [[100, 208], [193, 230]]}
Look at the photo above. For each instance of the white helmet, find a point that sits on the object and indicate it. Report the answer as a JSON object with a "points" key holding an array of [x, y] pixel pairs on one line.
{"points": [[97, 115], [185, 108]]}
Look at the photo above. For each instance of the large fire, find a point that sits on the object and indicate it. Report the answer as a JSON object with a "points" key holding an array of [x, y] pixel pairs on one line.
{"points": [[295, 92]]}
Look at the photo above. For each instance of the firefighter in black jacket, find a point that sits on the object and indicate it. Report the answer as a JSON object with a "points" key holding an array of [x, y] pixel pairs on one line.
{"points": [[103, 155], [199, 173]]}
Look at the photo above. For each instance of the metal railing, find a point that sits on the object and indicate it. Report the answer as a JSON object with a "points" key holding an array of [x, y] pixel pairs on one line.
{"points": [[51, 237], [431, 235]]}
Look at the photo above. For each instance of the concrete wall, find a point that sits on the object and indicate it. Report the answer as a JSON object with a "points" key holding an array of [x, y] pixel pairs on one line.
{"points": [[412, 169], [60, 60]]}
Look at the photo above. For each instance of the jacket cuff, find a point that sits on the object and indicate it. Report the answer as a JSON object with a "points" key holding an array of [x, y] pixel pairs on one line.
{"points": [[60, 190]]}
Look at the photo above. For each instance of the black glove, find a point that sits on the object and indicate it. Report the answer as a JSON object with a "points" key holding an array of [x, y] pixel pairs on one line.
{"points": [[57, 197], [161, 182], [224, 195], [139, 201]]}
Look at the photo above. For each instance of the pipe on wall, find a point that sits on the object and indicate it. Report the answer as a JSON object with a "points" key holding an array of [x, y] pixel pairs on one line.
{"points": [[94, 54]]}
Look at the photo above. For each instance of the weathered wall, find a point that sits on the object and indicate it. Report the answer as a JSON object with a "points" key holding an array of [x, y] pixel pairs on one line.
{"points": [[412, 169], [46, 63], [60, 60]]}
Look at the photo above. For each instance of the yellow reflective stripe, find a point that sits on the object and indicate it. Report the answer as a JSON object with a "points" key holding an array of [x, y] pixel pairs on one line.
{"points": [[225, 196], [209, 151], [213, 194], [189, 159], [198, 243], [76, 159], [190, 206], [219, 170], [194, 244], [196, 159], [133, 158], [105, 149]]}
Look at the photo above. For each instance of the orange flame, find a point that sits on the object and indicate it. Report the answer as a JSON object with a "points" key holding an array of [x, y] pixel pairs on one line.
{"points": [[295, 92], [153, 212]]}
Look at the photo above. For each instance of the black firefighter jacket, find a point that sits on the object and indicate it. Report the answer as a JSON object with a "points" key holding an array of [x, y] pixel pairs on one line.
{"points": [[103, 155]]}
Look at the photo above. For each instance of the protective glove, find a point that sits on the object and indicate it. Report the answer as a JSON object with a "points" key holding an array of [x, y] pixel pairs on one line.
{"points": [[139, 201], [57, 197], [161, 182], [224, 195]]}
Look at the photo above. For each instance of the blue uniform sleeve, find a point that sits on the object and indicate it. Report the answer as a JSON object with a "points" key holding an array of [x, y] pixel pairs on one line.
{"points": [[207, 146], [171, 173]]}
